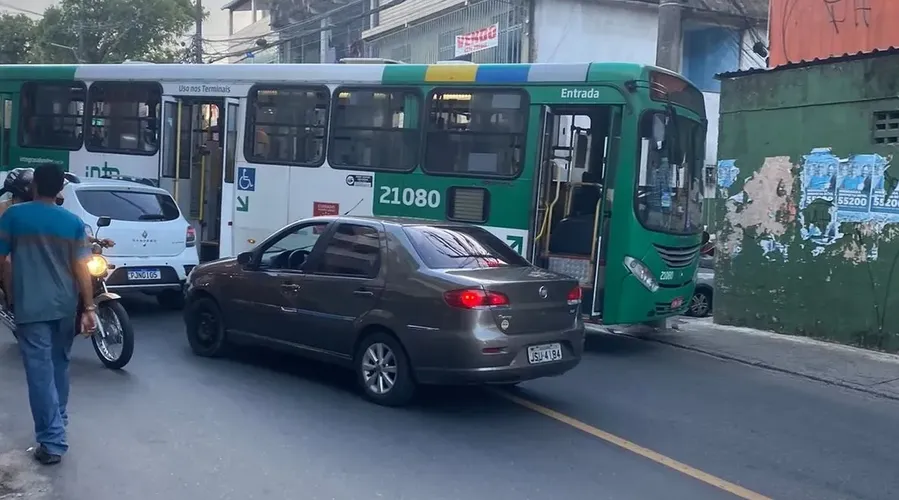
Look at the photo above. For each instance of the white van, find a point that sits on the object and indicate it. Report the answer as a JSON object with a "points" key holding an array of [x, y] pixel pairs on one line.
{"points": [[155, 247]]}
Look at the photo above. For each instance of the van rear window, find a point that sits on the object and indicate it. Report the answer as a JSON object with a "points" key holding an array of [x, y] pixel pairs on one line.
{"points": [[460, 247], [128, 205]]}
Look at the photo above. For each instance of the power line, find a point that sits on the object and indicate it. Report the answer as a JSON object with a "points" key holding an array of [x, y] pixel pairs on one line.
{"points": [[20, 9]]}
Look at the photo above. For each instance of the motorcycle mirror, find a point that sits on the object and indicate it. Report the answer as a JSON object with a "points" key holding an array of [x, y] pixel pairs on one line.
{"points": [[104, 221]]}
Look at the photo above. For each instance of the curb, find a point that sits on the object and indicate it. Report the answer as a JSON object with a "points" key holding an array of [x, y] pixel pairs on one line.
{"points": [[757, 364]]}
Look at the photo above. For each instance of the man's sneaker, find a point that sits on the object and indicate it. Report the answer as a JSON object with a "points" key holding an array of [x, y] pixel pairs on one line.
{"points": [[45, 457]]}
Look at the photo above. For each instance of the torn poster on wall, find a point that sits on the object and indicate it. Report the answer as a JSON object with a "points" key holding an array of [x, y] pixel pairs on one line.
{"points": [[727, 173], [837, 190]]}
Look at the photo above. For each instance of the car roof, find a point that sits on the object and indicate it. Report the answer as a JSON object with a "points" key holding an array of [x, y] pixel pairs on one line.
{"points": [[90, 182], [391, 221]]}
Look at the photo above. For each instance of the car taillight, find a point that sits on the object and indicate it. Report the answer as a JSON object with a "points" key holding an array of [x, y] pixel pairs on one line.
{"points": [[191, 238], [474, 297], [574, 296]]}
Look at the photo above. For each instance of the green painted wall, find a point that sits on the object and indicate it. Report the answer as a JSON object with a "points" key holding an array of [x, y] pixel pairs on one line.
{"points": [[844, 284]]}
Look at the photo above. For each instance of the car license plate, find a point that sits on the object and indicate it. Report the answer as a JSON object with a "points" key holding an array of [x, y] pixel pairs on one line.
{"points": [[544, 353], [677, 302], [144, 274]]}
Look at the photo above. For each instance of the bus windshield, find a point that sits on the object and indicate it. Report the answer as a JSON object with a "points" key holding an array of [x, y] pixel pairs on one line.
{"points": [[670, 183]]}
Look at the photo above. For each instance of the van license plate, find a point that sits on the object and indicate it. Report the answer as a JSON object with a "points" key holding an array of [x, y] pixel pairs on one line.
{"points": [[144, 274], [544, 353]]}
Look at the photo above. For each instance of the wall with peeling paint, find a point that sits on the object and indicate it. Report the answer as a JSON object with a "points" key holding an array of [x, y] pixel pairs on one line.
{"points": [[807, 209]]}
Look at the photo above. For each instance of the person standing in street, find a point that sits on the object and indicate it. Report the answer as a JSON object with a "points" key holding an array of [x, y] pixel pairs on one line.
{"points": [[48, 281]]}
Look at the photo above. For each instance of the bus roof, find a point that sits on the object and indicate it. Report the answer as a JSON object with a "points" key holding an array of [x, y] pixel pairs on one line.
{"points": [[408, 74]]}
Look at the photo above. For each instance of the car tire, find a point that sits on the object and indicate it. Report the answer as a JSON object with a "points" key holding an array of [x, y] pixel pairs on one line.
{"points": [[171, 299], [701, 304], [374, 375], [206, 329]]}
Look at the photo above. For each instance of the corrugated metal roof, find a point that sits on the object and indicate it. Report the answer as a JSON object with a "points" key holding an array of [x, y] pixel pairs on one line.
{"points": [[816, 62], [753, 9]]}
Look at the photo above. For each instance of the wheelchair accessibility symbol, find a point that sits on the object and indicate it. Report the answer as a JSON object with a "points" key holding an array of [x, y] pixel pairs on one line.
{"points": [[246, 179]]}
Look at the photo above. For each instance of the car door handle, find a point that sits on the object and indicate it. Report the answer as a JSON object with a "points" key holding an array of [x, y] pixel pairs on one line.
{"points": [[291, 287], [364, 293]]}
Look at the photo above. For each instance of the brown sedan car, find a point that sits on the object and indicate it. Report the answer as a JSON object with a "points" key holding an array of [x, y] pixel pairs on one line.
{"points": [[402, 302]]}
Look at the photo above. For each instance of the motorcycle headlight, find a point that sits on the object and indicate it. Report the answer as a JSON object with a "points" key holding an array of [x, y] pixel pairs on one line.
{"points": [[97, 265]]}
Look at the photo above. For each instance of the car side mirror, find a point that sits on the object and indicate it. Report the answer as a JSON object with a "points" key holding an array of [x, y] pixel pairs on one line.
{"points": [[104, 221], [244, 258]]}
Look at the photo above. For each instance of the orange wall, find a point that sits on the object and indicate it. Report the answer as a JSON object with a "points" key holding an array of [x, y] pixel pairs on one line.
{"points": [[802, 30]]}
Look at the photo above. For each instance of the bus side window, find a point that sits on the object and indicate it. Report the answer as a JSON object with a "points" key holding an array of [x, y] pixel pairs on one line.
{"points": [[476, 133], [287, 125], [375, 129], [52, 115], [123, 118]]}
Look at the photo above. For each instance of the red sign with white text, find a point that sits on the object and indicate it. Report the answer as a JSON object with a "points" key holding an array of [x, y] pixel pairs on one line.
{"points": [[325, 208], [475, 41]]}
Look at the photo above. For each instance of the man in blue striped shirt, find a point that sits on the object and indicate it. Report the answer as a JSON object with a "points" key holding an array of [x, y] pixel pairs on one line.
{"points": [[47, 248]]}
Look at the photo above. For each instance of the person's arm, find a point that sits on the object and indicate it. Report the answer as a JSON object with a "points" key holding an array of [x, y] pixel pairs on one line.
{"points": [[80, 256]]}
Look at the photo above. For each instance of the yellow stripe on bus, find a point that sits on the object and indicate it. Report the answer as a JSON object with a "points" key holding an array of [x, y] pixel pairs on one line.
{"points": [[451, 73]]}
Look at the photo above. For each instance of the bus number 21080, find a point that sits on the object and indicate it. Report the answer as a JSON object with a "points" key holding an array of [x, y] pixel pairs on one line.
{"points": [[409, 197]]}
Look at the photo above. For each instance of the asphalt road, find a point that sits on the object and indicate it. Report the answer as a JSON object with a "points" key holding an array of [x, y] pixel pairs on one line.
{"points": [[262, 425]]}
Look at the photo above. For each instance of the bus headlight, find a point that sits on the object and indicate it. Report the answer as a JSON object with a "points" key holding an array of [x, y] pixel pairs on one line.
{"points": [[97, 266], [642, 273]]}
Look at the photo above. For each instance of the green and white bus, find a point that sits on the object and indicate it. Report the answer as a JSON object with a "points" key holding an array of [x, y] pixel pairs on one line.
{"points": [[594, 170]]}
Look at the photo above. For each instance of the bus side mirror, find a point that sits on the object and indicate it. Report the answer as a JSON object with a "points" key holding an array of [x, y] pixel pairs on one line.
{"points": [[706, 237]]}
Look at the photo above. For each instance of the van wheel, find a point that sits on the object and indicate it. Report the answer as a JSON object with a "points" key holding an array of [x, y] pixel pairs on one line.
{"points": [[205, 329], [383, 370]]}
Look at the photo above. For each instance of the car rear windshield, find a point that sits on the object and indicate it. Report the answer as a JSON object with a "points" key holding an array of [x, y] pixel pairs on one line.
{"points": [[456, 247], [129, 205]]}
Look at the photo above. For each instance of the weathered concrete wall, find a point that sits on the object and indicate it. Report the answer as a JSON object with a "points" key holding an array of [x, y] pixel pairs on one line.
{"points": [[807, 211]]}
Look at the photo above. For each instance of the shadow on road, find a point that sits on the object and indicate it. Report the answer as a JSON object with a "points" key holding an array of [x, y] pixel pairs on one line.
{"points": [[616, 345], [430, 399]]}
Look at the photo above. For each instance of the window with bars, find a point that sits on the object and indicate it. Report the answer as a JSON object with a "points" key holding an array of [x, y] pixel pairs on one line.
{"points": [[885, 129]]}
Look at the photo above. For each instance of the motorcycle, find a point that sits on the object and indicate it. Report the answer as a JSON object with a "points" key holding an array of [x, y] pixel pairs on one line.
{"points": [[113, 323]]}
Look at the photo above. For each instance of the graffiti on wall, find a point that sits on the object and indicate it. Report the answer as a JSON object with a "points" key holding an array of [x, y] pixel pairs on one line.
{"points": [[835, 190]]}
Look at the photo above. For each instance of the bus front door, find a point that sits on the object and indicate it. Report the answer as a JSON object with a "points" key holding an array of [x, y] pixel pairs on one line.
{"points": [[600, 299], [579, 150]]}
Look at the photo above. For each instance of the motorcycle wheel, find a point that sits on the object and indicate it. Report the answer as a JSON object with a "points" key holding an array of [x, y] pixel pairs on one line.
{"points": [[113, 329]]}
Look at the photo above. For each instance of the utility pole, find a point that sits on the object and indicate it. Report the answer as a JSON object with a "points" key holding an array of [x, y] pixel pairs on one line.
{"points": [[79, 57], [669, 40], [198, 38]]}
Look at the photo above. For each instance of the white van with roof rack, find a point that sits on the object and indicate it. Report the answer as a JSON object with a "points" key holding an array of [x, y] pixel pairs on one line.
{"points": [[155, 246]]}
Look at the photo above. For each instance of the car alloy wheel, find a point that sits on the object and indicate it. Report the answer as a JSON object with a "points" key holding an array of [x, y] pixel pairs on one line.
{"points": [[700, 305], [379, 368], [383, 370]]}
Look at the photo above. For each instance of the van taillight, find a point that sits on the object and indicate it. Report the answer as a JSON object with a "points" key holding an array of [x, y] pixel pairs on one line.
{"points": [[574, 296], [474, 297], [191, 238]]}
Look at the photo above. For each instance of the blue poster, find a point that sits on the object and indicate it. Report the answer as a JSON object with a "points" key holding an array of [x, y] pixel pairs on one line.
{"points": [[819, 175], [854, 185], [880, 202]]}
